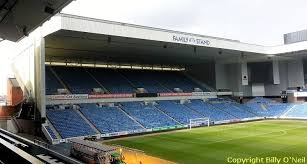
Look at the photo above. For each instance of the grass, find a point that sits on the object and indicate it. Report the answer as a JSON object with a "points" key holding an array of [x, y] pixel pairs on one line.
{"points": [[213, 145]]}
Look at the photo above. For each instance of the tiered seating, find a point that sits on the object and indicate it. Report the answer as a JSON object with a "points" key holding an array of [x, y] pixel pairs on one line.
{"points": [[246, 108], [260, 100], [231, 108], [209, 111], [122, 81], [277, 109], [266, 107], [129, 115], [52, 84], [77, 79], [258, 106], [68, 123], [176, 80], [148, 115], [178, 111], [53, 136], [145, 79], [298, 111], [112, 80], [108, 119]]}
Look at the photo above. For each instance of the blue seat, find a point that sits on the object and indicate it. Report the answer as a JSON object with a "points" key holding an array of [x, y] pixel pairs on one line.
{"points": [[68, 123], [144, 79], [234, 109], [108, 119], [77, 79], [173, 80], [147, 115], [112, 80], [209, 110], [178, 111], [53, 136], [267, 108], [298, 110], [52, 84]]}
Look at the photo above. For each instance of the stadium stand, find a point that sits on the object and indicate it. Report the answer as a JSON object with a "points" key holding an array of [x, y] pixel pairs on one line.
{"points": [[119, 81], [210, 111], [246, 108], [51, 132], [230, 107], [75, 78], [145, 79], [298, 111], [267, 108], [179, 112], [108, 119], [112, 80], [136, 116], [276, 109], [147, 115], [176, 80], [68, 123], [52, 84]]}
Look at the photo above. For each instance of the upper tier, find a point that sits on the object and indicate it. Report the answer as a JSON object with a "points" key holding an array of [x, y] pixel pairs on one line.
{"points": [[80, 80]]}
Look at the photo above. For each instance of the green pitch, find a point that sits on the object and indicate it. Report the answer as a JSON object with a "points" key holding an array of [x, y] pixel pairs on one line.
{"points": [[261, 140]]}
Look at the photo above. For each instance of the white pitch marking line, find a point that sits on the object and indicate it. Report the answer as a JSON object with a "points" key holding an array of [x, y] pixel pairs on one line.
{"points": [[284, 133]]}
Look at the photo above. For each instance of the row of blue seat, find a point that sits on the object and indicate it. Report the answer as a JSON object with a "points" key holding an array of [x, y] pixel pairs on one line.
{"points": [[208, 110], [145, 79], [52, 84], [298, 111], [148, 115], [129, 116], [178, 111], [77, 79], [68, 123], [108, 119], [267, 108], [234, 109], [83, 80], [52, 135], [172, 80], [112, 80]]}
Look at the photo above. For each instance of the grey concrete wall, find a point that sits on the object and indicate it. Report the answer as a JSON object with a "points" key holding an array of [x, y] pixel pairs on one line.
{"points": [[295, 73], [204, 72], [40, 77], [274, 89], [233, 76], [229, 76], [220, 77]]}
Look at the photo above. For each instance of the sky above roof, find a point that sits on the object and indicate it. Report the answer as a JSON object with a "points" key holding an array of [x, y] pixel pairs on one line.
{"points": [[253, 21]]}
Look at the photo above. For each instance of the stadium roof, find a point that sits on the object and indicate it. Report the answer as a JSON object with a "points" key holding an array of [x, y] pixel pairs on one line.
{"points": [[19, 18], [82, 38]]}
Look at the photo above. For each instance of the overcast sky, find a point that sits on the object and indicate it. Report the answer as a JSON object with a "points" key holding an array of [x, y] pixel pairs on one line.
{"points": [[253, 21]]}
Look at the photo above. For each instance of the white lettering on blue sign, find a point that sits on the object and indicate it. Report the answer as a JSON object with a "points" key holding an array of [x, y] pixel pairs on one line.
{"points": [[191, 40]]}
